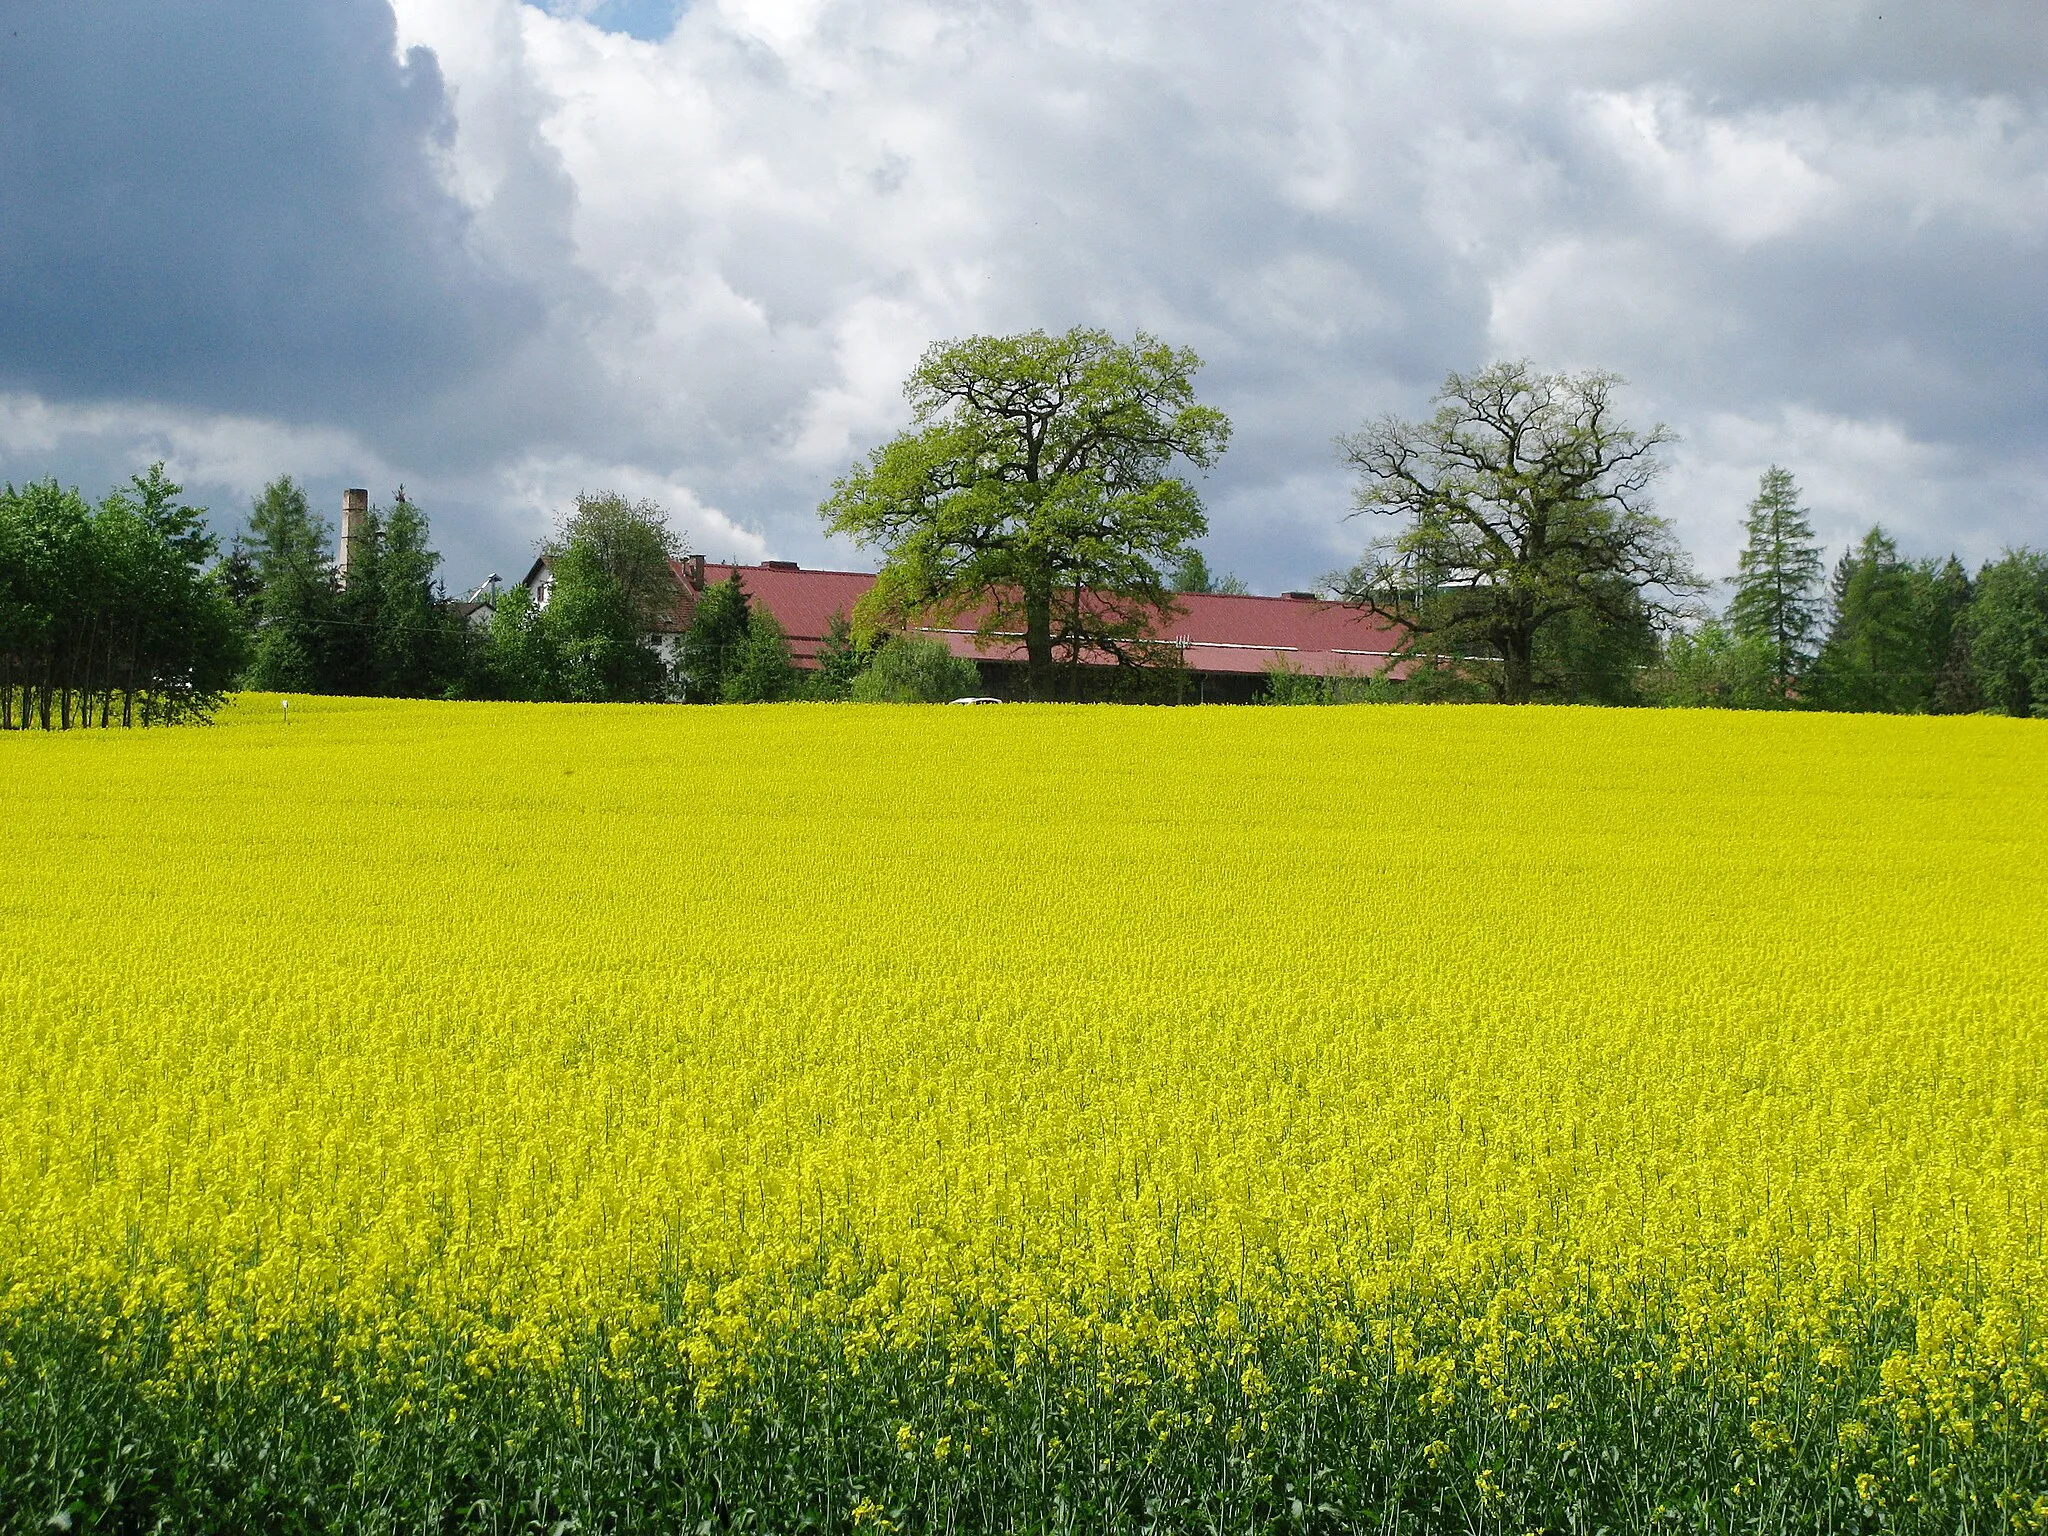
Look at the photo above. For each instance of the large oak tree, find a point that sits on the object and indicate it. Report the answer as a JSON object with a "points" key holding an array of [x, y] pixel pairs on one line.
{"points": [[1524, 506], [1035, 490]]}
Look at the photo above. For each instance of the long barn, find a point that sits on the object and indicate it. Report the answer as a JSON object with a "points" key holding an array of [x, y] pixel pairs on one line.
{"points": [[1227, 644]]}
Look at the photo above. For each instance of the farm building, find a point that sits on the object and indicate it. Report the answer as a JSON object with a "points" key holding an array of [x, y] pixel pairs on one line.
{"points": [[1227, 644]]}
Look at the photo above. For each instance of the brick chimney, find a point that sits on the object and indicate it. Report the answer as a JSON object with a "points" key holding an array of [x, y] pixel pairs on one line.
{"points": [[693, 572], [355, 530]]}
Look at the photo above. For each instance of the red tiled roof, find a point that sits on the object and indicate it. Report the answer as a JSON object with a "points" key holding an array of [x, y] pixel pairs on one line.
{"points": [[1217, 633]]}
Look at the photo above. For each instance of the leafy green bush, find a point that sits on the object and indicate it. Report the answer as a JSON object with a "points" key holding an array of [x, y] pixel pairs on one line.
{"points": [[1288, 684], [909, 670], [1711, 668]]}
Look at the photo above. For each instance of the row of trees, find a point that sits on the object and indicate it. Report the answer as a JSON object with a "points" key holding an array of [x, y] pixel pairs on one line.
{"points": [[1527, 564], [387, 630], [1888, 634], [1883, 633], [606, 631], [111, 614], [1036, 489], [1040, 492]]}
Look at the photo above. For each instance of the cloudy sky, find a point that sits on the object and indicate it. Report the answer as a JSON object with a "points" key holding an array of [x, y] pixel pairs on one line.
{"points": [[500, 252]]}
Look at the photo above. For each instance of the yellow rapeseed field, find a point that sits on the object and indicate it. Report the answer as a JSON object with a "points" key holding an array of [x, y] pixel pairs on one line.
{"points": [[1053, 1117]]}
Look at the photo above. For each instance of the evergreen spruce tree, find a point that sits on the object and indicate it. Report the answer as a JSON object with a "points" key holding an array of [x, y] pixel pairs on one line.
{"points": [[1874, 657], [1776, 589], [385, 632], [285, 539], [1941, 594], [712, 645], [236, 576], [841, 659], [350, 660], [417, 640], [296, 611], [1192, 574], [1956, 687], [760, 671]]}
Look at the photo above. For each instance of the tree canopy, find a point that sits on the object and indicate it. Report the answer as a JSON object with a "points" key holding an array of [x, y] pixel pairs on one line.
{"points": [[1035, 490], [1525, 500], [1192, 574], [109, 614], [760, 670], [613, 590], [1887, 621], [2007, 634], [287, 546], [712, 645]]}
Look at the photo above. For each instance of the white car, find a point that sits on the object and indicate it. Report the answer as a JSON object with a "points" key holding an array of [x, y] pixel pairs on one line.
{"points": [[977, 701]]}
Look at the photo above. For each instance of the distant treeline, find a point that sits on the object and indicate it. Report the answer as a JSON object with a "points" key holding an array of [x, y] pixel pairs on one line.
{"points": [[1891, 635], [385, 627], [605, 631], [128, 613], [1885, 634], [1881, 634]]}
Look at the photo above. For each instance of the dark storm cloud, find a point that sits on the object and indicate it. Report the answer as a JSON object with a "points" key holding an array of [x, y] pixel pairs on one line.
{"points": [[235, 207]]}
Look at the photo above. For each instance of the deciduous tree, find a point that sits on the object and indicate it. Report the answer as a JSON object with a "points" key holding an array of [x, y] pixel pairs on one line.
{"points": [[1712, 667], [1523, 501], [109, 614], [1036, 489], [614, 587], [2007, 626]]}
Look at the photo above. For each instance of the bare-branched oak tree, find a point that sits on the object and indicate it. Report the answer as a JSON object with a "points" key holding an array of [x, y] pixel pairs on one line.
{"points": [[1524, 501]]}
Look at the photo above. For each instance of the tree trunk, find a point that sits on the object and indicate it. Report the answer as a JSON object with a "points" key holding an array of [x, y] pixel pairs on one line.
{"points": [[1038, 656], [1517, 669], [1074, 652]]}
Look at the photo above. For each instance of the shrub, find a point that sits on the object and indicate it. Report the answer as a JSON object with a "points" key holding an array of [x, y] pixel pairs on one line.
{"points": [[911, 670]]}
